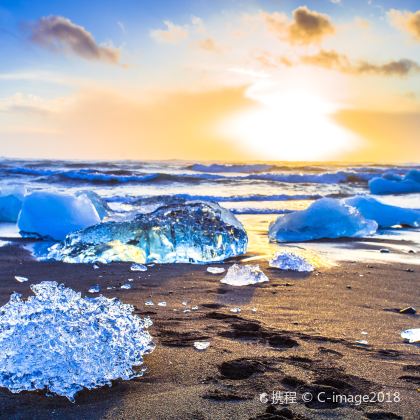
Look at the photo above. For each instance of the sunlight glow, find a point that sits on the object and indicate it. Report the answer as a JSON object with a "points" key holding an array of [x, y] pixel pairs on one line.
{"points": [[290, 125]]}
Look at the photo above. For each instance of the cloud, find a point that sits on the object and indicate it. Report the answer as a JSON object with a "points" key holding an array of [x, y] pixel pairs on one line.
{"points": [[336, 61], [306, 27], [61, 34], [210, 45], [406, 21], [173, 34]]}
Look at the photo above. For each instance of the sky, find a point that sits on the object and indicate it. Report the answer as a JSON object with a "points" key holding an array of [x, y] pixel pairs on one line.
{"points": [[219, 80]]}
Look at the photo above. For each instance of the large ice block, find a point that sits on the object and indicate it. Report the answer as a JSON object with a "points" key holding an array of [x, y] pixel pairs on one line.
{"points": [[395, 184], [54, 215], [11, 199], [60, 342], [191, 232], [385, 215], [325, 218]]}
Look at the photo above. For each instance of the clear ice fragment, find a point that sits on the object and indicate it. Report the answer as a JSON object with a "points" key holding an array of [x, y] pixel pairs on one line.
{"points": [[201, 345], [291, 261], [138, 267], [21, 279], [126, 286], [243, 275], [60, 342], [412, 335], [191, 232], [215, 270]]}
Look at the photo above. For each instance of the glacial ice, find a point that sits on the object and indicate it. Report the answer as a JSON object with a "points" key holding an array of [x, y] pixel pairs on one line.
{"points": [[11, 199], [138, 267], [325, 218], [215, 270], [412, 336], [60, 342], [54, 215], [385, 215], [100, 205], [192, 232], [396, 184], [243, 275], [291, 261]]}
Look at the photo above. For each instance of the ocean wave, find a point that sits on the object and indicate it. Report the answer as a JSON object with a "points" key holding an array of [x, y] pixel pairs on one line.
{"points": [[229, 167], [190, 197], [251, 210]]}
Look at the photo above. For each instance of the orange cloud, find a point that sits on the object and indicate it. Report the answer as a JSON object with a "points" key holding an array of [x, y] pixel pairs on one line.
{"points": [[406, 21], [173, 34], [306, 27]]}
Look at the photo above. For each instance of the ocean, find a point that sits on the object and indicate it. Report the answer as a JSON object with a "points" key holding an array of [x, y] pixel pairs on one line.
{"points": [[256, 192]]}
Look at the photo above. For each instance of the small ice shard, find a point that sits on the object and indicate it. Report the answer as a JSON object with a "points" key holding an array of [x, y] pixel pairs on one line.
{"points": [[408, 311], [243, 275], [362, 342], [190, 232], [194, 308], [236, 310], [162, 304], [384, 215], [290, 261], [149, 303], [95, 266], [21, 279], [396, 184], [215, 270], [52, 340], [325, 218], [384, 251], [54, 215], [184, 303], [138, 267], [254, 310], [11, 199], [110, 288], [201, 345], [364, 333], [94, 289], [126, 286], [412, 335], [186, 311]]}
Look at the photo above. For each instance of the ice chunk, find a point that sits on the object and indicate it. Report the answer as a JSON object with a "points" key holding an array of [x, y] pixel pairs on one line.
{"points": [[100, 205], [149, 303], [162, 304], [21, 279], [236, 310], [126, 286], [201, 345], [138, 267], [290, 261], [192, 232], [395, 184], [412, 336], [94, 289], [60, 342], [215, 270], [11, 199], [385, 215], [242, 275], [325, 218], [54, 215]]}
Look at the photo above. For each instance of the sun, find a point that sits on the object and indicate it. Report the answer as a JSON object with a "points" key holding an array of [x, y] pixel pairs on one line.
{"points": [[292, 125]]}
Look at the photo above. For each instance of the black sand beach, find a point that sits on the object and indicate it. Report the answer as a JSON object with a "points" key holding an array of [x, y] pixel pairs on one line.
{"points": [[301, 338]]}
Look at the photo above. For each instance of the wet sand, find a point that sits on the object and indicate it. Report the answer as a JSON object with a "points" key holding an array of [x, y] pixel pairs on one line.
{"points": [[301, 338]]}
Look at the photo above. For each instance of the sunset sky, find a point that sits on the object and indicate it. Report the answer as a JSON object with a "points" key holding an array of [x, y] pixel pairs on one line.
{"points": [[211, 80]]}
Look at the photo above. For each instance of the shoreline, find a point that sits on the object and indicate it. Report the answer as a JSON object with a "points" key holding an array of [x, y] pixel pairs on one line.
{"points": [[302, 337]]}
